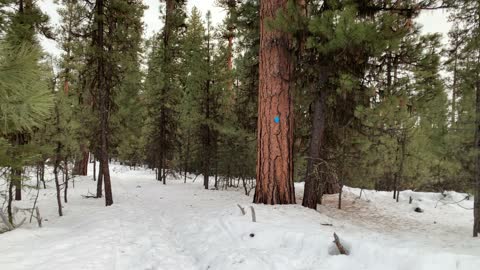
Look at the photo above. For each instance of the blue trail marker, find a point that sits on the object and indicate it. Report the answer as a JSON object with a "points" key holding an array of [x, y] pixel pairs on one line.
{"points": [[276, 119]]}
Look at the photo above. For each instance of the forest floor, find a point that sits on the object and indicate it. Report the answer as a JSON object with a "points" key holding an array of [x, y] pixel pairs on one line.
{"points": [[182, 226]]}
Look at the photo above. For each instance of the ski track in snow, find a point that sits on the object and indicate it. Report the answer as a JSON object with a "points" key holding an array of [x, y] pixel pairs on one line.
{"points": [[181, 226]]}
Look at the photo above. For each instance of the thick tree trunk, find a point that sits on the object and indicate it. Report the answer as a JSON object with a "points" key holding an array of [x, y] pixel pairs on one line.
{"points": [[81, 165], [275, 112], [312, 181]]}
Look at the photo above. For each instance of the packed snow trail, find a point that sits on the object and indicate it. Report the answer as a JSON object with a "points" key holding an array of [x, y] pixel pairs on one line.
{"points": [[182, 226]]}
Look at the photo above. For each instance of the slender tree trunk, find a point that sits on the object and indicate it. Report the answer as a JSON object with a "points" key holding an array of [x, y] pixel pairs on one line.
{"points": [[476, 205], [206, 175], [454, 90], [231, 35], [57, 186], [207, 138], [37, 174], [103, 88], [10, 201], [56, 164], [17, 171], [94, 168], [42, 175], [18, 184], [275, 112], [340, 197], [100, 181], [187, 155], [164, 174], [216, 175], [399, 174], [65, 191], [312, 180]]}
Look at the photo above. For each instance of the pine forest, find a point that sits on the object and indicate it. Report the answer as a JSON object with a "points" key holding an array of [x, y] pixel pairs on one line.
{"points": [[240, 134]]}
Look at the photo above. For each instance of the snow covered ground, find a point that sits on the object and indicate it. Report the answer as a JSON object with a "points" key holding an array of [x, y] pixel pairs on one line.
{"points": [[181, 226]]}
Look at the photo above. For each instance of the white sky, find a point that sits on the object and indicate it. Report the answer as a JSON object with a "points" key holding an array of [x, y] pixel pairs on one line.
{"points": [[432, 21]]}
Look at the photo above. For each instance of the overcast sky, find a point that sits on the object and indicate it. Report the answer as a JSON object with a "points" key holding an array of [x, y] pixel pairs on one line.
{"points": [[432, 21]]}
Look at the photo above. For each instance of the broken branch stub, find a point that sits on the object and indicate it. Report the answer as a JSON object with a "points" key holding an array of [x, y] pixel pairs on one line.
{"points": [[254, 217], [339, 245], [242, 209]]}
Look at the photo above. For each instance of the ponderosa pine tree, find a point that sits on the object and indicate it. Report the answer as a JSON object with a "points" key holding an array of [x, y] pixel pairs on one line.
{"points": [[27, 21], [127, 129], [243, 123], [116, 28], [229, 34], [467, 17], [207, 134], [275, 111], [23, 88], [163, 88], [349, 34], [196, 70]]}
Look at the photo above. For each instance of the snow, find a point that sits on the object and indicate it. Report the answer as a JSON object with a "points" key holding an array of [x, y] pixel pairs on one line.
{"points": [[182, 226]]}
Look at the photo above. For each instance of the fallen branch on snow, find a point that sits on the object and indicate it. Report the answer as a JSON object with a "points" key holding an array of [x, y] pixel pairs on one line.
{"points": [[457, 203], [254, 217], [339, 245], [89, 195], [242, 209]]}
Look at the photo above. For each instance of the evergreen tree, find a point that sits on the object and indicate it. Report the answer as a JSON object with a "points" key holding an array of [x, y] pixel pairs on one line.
{"points": [[195, 68], [275, 112], [163, 88], [467, 18], [24, 91], [114, 48]]}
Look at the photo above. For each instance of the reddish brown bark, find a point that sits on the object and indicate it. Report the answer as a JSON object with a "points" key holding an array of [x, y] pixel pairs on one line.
{"points": [[275, 113], [81, 165]]}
